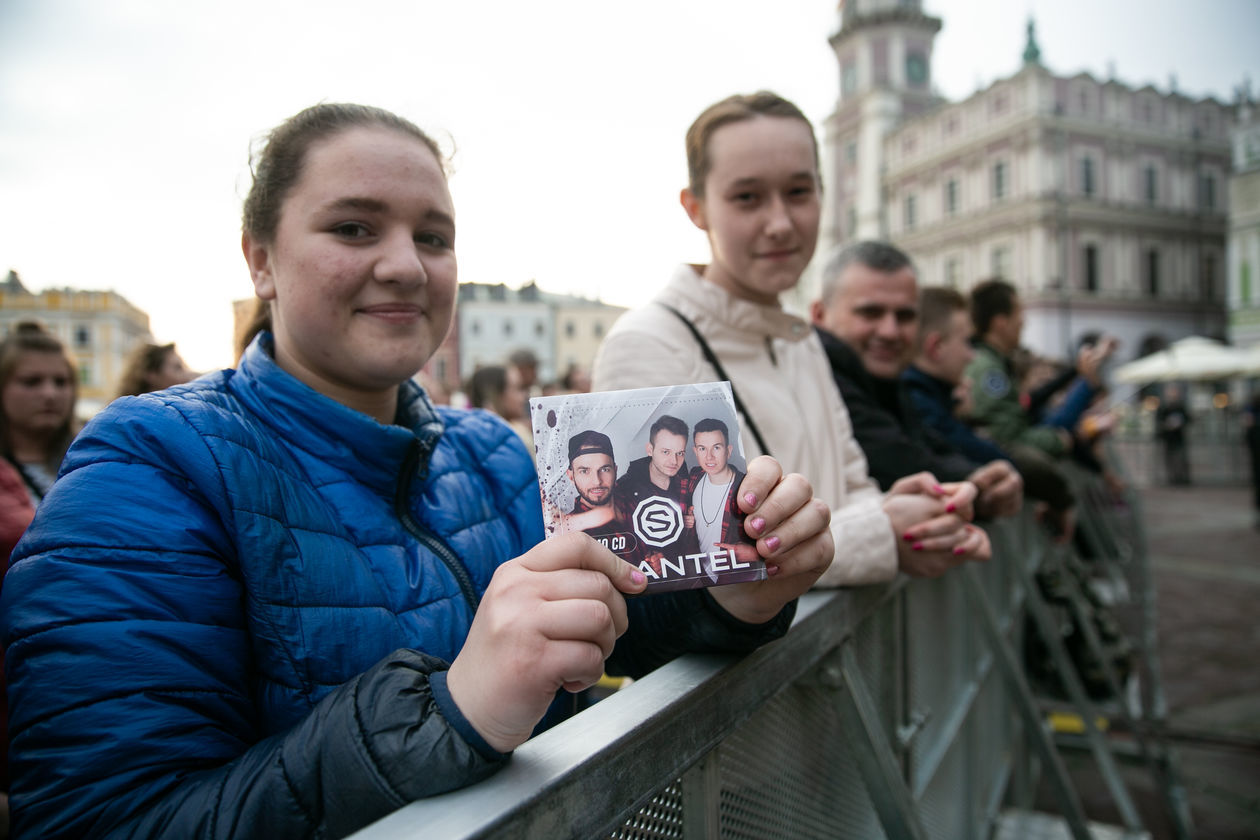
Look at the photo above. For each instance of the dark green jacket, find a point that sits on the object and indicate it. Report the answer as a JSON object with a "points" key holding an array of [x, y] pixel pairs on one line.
{"points": [[996, 405]]}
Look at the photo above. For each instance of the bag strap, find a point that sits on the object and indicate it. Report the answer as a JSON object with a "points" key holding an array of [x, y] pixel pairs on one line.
{"points": [[721, 372]]}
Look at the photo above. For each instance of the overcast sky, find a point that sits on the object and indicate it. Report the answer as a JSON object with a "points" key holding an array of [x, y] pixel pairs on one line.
{"points": [[125, 125]]}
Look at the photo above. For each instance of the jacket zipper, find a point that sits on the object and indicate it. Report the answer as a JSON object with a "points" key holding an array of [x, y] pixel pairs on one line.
{"points": [[426, 537]]}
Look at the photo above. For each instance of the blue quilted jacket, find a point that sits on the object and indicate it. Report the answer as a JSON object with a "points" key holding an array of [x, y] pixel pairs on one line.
{"points": [[233, 613]]}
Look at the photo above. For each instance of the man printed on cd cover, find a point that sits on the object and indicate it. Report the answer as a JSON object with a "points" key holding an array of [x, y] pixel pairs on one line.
{"points": [[662, 475], [594, 476], [715, 483]]}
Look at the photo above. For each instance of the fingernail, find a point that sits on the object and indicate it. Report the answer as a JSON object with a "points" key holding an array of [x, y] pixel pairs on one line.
{"points": [[907, 536], [917, 546], [958, 549], [772, 543], [637, 576], [758, 523], [938, 489], [771, 571], [949, 508], [751, 499]]}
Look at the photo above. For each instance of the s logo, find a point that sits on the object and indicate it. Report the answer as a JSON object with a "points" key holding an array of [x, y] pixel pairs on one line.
{"points": [[657, 521]]}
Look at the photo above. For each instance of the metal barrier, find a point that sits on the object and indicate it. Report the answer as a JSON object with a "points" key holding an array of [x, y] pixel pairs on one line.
{"points": [[890, 711]]}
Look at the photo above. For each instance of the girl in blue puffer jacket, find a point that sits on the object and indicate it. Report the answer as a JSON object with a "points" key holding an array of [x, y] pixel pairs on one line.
{"points": [[286, 599]]}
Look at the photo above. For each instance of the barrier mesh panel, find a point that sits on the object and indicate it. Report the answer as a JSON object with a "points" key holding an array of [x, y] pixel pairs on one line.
{"points": [[660, 819], [787, 773]]}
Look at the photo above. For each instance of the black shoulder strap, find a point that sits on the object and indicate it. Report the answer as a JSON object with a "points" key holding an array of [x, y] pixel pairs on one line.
{"points": [[721, 372]]}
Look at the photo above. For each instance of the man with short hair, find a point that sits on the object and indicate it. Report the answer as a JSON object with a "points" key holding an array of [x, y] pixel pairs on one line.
{"points": [[935, 384], [594, 476], [998, 317], [661, 474], [714, 481], [867, 320]]}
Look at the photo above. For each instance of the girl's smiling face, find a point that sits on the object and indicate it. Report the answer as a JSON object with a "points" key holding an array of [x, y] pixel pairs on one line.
{"points": [[761, 206], [361, 271]]}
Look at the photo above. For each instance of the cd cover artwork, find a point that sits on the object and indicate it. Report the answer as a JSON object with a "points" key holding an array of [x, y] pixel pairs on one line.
{"points": [[654, 475]]}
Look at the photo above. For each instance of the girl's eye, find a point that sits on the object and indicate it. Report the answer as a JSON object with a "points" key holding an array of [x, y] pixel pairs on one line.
{"points": [[350, 230], [432, 240], [745, 198]]}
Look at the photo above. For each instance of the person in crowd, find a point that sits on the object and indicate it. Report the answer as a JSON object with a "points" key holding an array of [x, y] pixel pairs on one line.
{"points": [[867, 319], [940, 393], [753, 188], [38, 390], [152, 367], [1171, 421], [998, 404], [499, 389], [998, 316], [291, 597], [576, 380], [1251, 434], [525, 362]]}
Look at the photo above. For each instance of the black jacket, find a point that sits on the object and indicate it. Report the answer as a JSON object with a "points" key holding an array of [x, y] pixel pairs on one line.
{"points": [[895, 442]]}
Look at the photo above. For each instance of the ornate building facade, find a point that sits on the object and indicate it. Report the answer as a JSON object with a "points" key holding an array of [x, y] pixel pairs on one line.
{"points": [[1244, 228], [98, 329], [1104, 204]]}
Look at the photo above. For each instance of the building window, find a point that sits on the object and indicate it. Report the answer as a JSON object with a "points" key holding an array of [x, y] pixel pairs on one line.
{"points": [[570, 329], [1087, 176], [909, 214], [475, 327], [999, 181], [951, 196], [539, 329], [1000, 261], [1244, 283], [85, 374], [850, 152], [82, 336], [507, 327], [852, 221], [1207, 283], [1090, 266], [1152, 272], [951, 273], [1207, 192], [1152, 185], [599, 329]]}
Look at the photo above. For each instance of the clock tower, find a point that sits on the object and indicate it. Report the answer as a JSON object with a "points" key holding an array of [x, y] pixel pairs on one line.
{"points": [[884, 50]]}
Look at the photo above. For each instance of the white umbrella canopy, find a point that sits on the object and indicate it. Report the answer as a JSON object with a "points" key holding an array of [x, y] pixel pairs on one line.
{"points": [[1193, 358]]}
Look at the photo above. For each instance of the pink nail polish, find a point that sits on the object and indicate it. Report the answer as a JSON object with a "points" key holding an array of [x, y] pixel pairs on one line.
{"points": [[637, 576], [757, 523], [936, 488], [771, 571], [949, 508], [917, 546], [907, 536], [958, 550], [772, 543], [751, 499]]}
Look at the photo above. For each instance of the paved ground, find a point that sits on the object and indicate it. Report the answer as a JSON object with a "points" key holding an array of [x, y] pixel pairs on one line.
{"points": [[1205, 554]]}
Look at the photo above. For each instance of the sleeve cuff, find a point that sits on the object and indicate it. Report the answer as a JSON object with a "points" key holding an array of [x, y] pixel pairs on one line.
{"points": [[450, 711]]}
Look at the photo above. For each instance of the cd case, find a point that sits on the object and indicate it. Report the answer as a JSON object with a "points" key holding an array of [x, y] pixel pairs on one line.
{"points": [[653, 474]]}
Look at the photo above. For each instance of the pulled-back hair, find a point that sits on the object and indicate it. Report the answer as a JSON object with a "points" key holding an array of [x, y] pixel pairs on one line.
{"points": [[30, 337], [937, 305], [278, 166], [734, 109], [879, 256], [990, 299]]}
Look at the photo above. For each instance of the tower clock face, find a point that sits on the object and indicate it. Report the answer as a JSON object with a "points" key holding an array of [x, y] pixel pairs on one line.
{"points": [[916, 68]]}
